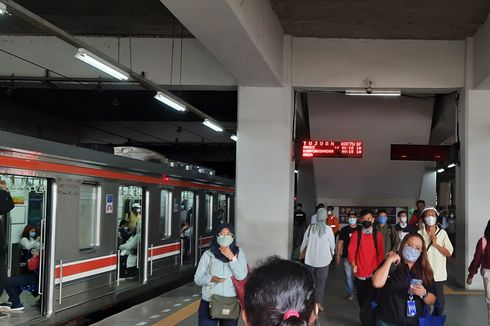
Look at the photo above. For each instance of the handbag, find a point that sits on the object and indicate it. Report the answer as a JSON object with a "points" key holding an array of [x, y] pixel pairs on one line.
{"points": [[240, 287], [434, 319], [221, 307]]}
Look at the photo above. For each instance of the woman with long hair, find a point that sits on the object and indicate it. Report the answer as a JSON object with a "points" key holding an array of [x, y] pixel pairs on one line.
{"points": [[279, 293], [481, 260], [318, 249], [222, 261], [406, 284]]}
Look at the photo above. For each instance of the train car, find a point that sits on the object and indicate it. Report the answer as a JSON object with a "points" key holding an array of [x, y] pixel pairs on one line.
{"points": [[76, 200]]}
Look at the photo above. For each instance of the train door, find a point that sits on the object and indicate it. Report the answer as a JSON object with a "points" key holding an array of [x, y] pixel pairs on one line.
{"points": [[25, 228], [130, 237], [205, 224], [188, 227]]}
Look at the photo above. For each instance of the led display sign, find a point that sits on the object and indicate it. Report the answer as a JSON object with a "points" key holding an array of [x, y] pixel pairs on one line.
{"points": [[335, 149]]}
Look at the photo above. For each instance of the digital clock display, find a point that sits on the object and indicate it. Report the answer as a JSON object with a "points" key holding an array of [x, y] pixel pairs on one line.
{"points": [[335, 149]]}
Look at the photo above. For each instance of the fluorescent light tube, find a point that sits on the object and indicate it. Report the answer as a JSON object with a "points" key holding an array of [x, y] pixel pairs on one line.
{"points": [[213, 125], [3, 8], [440, 170], [101, 64], [450, 166], [234, 137], [364, 92], [296, 171], [165, 99]]}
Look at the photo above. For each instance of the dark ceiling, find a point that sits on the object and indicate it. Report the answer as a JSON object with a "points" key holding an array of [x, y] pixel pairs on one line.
{"points": [[99, 17], [130, 105], [382, 19]]}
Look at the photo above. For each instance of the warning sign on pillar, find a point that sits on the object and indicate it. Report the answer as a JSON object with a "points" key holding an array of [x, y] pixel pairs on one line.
{"points": [[109, 204]]}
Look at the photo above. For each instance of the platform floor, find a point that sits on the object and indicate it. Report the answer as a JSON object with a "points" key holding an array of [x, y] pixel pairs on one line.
{"points": [[179, 307]]}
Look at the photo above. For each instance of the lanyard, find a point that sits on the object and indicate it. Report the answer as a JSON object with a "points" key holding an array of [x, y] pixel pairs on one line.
{"points": [[410, 294]]}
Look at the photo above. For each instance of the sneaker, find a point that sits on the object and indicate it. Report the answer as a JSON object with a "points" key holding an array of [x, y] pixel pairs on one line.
{"points": [[17, 307], [6, 305], [350, 297]]}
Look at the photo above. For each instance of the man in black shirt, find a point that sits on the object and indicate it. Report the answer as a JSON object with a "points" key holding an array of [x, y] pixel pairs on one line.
{"points": [[343, 245], [299, 225]]}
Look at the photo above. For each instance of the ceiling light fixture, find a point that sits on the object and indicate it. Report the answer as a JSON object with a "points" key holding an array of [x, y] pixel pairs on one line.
{"points": [[3, 8], [212, 125], [440, 170], [296, 171], [234, 137], [101, 64], [452, 165], [367, 92], [167, 100]]}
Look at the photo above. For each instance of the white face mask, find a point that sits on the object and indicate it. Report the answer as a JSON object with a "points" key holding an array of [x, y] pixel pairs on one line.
{"points": [[403, 219], [329, 212], [430, 220]]}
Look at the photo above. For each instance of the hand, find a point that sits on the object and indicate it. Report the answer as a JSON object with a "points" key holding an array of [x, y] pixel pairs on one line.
{"points": [[3, 185], [469, 280], [338, 260], [34, 252], [226, 251], [393, 258], [354, 269], [433, 238], [418, 290], [216, 279]]}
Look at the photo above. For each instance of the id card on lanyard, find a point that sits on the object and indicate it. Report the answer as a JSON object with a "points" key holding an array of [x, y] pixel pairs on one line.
{"points": [[411, 306]]}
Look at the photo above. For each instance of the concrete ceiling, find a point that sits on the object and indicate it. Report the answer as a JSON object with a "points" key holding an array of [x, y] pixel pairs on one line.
{"points": [[382, 19], [378, 122], [98, 17]]}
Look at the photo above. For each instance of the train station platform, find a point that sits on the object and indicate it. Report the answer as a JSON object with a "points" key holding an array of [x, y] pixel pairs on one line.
{"points": [[179, 307]]}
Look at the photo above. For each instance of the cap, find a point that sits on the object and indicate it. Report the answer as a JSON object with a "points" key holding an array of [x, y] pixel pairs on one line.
{"points": [[429, 209], [136, 205]]}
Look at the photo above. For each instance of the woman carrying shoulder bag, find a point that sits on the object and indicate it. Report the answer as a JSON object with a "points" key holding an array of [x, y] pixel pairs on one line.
{"points": [[222, 261]]}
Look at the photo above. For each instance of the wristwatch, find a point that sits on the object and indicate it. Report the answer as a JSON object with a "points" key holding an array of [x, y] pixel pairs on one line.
{"points": [[425, 295]]}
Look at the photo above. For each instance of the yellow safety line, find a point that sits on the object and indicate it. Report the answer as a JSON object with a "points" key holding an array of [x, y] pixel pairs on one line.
{"points": [[180, 315], [449, 291]]}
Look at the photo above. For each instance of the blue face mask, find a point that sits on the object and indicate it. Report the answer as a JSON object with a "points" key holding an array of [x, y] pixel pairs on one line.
{"points": [[352, 220], [225, 240], [410, 255], [32, 234], [382, 219]]}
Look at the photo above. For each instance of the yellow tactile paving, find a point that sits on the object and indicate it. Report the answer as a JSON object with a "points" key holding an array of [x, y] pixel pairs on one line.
{"points": [[449, 291], [180, 315]]}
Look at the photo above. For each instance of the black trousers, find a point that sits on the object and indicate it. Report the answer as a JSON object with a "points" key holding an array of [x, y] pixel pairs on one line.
{"points": [[364, 289], [439, 287]]}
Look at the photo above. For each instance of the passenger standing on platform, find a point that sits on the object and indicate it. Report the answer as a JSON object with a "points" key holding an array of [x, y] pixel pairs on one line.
{"points": [[313, 217], [390, 238], [365, 254], [299, 224], [439, 248], [6, 205], [222, 261], [481, 260], [417, 214], [342, 253], [333, 221], [279, 292], [402, 227], [406, 284], [318, 249]]}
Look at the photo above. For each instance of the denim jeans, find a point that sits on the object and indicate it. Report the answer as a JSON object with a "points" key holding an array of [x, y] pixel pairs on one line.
{"points": [[13, 286], [349, 277]]}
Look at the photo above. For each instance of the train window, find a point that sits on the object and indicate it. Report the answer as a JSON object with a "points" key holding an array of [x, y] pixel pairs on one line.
{"points": [[87, 218], [221, 209], [130, 206], [186, 206], [165, 213], [208, 211]]}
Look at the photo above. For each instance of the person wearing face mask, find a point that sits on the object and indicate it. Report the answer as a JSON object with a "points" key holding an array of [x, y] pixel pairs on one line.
{"points": [[318, 249], [402, 227], [134, 216], [417, 214], [333, 221], [390, 238], [342, 252], [365, 254], [130, 249], [222, 261], [29, 241], [406, 284], [123, 232], [439, 248]]}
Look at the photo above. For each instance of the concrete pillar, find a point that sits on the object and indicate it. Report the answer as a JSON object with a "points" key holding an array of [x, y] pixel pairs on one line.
{"points": [[264, 179], [477, 173]]}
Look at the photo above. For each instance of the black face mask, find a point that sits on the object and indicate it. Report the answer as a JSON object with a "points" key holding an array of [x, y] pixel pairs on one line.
{"points": [[366, 224]]}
